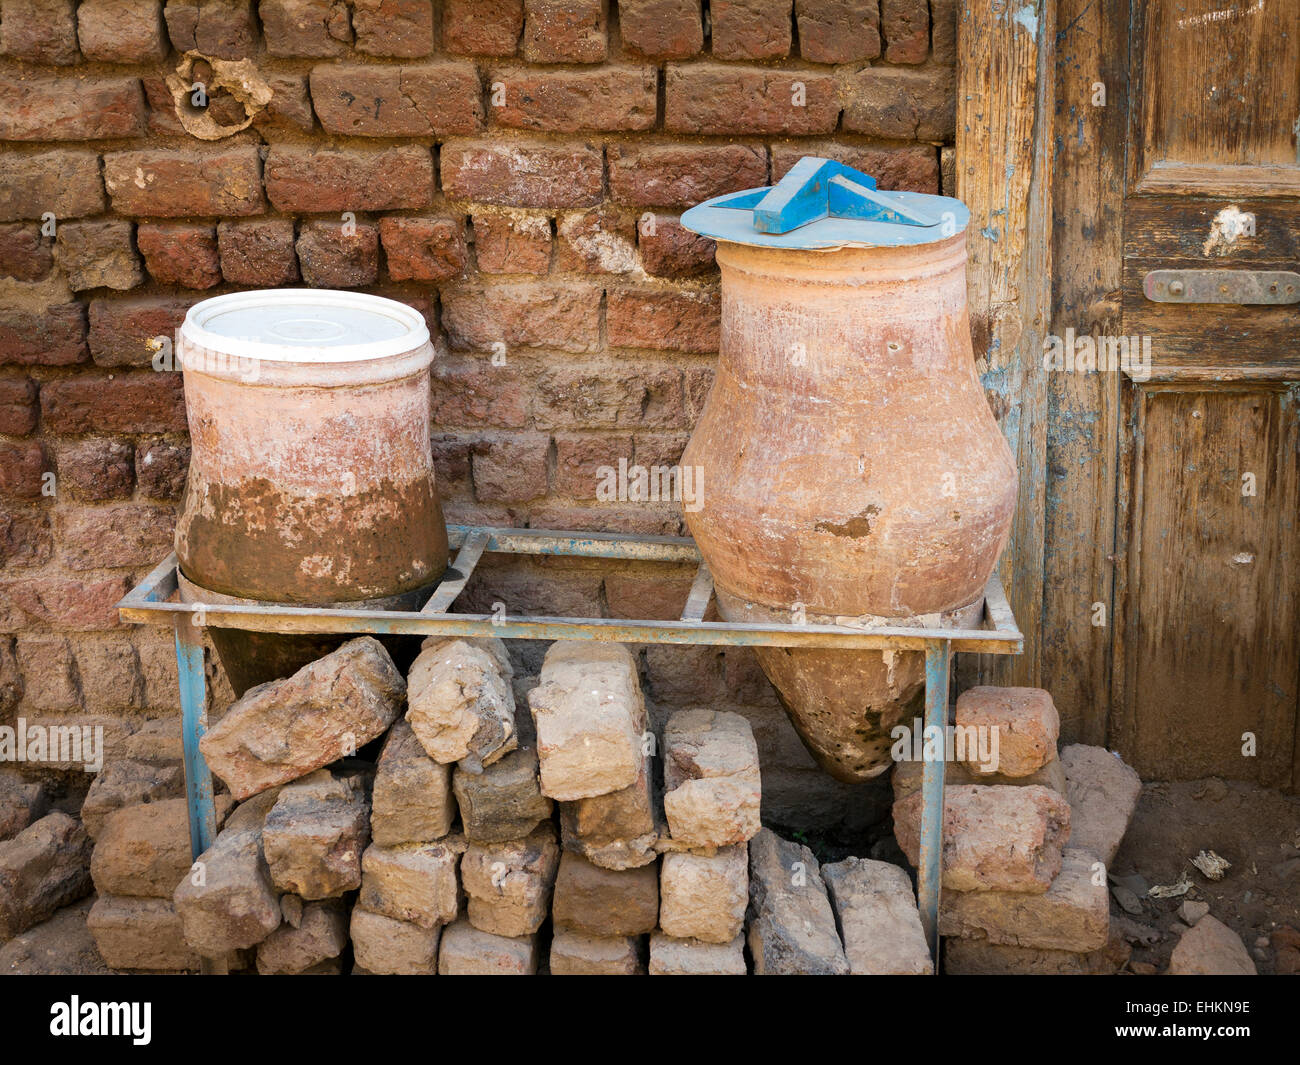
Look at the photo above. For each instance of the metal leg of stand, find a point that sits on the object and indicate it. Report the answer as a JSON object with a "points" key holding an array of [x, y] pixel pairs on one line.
{"points": [[194, 723], [929, 874]]}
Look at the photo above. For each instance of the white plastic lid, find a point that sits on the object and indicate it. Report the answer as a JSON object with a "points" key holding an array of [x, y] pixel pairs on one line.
{"points": [[305, 325]]}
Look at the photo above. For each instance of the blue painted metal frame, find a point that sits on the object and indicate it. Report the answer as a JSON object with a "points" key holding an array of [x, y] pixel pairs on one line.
{"points": [[150, 603]]}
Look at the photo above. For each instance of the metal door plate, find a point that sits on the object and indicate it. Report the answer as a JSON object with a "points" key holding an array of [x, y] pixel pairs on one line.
{"points": [[1222, 286]]}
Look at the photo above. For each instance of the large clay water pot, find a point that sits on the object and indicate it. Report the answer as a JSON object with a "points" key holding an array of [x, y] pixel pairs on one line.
{"points": [[311, 479], [851, 467]]}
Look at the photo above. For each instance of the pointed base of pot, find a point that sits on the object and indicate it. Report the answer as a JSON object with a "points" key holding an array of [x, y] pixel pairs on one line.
{"points": [[843, 704]]}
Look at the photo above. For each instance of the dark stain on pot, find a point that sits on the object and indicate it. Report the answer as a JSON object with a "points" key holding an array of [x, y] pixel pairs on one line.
{"points": [[256, 541], [856, 527]]}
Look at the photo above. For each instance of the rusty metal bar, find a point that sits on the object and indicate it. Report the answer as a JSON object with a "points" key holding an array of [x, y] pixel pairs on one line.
{"points": [[697, 603], [446, 592]]}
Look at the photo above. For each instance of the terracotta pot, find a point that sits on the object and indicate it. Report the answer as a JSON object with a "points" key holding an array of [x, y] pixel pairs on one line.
{"points": [[851, 468], [311, 479]]}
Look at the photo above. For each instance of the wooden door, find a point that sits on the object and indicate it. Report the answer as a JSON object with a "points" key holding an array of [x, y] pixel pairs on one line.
{"points": [[1206, 660]]}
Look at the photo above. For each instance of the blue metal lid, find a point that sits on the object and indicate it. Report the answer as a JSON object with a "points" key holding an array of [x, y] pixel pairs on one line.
{"points": [[822, 204]]}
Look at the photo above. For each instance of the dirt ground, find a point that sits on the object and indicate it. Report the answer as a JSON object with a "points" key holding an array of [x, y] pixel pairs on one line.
{"points": [[1256, 830]]}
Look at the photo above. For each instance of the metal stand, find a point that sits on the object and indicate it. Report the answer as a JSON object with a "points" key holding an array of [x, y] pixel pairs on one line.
{"points": [[150, 603]]}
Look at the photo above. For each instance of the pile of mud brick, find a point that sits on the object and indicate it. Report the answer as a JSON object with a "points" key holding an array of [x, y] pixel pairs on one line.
{"points": [[583, 835], [1029, 837]]}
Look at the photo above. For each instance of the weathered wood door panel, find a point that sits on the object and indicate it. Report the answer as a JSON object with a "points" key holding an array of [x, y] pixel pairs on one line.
{"points": [[1207, 655]]}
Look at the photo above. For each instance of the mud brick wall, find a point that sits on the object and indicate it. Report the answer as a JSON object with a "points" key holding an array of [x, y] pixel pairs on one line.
{"points": [[514, 168]]}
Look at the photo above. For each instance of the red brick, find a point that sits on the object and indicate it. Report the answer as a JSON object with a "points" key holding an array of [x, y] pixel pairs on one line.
{"points": [[482, 27], [402, 28], [914, 168], [24, 254], [157, 183], [600, 397], [160, 468], [65, 183], [566, 101], [561, 316], [451, 458], [97, 469], [290, 106], [681, 176], [905, 25], [18, 405], [424, 249], [512, 244], [564, 31], [225, 29], [670, 250], [67, 109], [41, 31], [578, 458], [599, 241], [121, 32], [98, 254], [120, 330], [25, 539], [943, 31], [22, 467], [838, 31], [523, 174], [479, 395], [902, 104], [258, 252], [659, 449], [740, 100], [69, 605], [182, 254], [144, 402], [329, 180], [555, 593], [306, 29], [372, 101], [640, 598], [110, 537], [55, 336], [640, 518], [511, 469], [661, 29], [663, 319], [697, 383], [338, 254], [162, 109], [750, 29]]}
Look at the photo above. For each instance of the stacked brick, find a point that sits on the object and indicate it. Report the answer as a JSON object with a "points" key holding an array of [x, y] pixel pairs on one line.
{"points": [[1028, 839], [514, 168]]}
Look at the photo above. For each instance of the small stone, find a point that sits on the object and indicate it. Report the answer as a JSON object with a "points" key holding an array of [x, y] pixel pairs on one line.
{"points": [[42, 869], [228, 901], [703, 897], [1022, 722], [60, 946], [1103, 794], [315, 834], [128, 782], [140, 933], [878, 918], [415, 882], [690, 957], [509, 884], [1073, 914], [712, 790], [145, 850], [285, 729], [994, 838], [575, 953], [979, 957], [618, 830], [1192, 911], [466, 951], [461, 705], [22, 803], [388, 946], [412, 800], [791, 924], [605, 902], [907, 777], [1211, 948], [321, 934], [590, 718], [505, 801]]}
